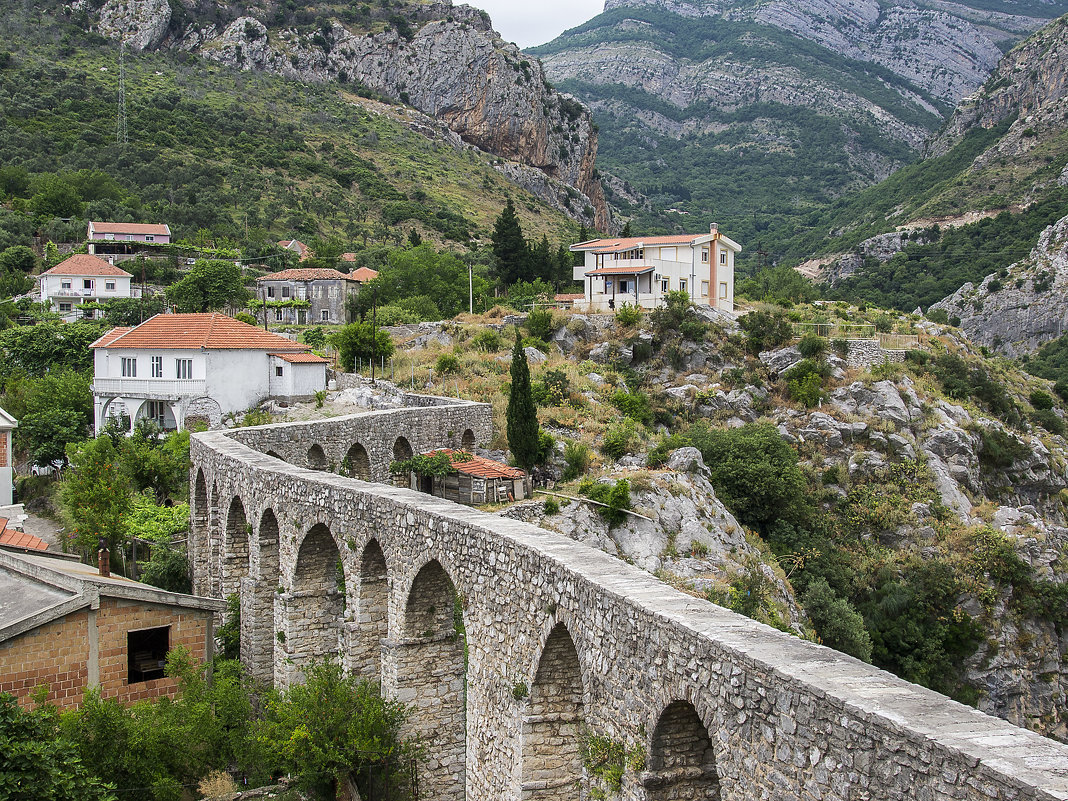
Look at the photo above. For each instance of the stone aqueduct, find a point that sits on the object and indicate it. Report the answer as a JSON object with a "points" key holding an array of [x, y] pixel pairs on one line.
{"points": [[559, 641]]}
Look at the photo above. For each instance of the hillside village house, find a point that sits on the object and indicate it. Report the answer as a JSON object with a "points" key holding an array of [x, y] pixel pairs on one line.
{"points": [[305, 295], [8, 424], [185, 370], [118, 241], [296, 246], [70, 626], [83, 279], [641, 270]]}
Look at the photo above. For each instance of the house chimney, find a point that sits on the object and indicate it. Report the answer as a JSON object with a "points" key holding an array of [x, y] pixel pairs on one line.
{"points": [[713, 228], [103, 558]]}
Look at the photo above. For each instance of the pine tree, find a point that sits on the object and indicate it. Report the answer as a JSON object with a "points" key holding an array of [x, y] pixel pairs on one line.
{"points": [[542, 260], [625, 233], [522, 416], [509, 246]]}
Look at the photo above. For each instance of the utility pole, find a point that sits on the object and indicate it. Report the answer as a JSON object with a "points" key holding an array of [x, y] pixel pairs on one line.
{"points": [[374, 329], [470, 288], [121, 137]]}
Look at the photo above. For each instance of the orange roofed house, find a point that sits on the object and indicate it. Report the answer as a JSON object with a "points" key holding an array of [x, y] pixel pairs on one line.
{"points": [[192, 369], [83, 279], [641, 270], [308, 295], [66, 627], [476, 480]]}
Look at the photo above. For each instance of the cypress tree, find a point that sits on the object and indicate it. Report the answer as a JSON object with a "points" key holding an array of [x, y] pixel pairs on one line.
{"points": [[522, 416], [509, 246]]}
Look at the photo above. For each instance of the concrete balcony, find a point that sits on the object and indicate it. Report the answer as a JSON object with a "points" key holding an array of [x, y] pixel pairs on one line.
{"points": [[151, 388]]}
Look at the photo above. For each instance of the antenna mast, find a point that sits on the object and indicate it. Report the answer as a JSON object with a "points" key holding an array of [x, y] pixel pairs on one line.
{"points": [[121, 137]]}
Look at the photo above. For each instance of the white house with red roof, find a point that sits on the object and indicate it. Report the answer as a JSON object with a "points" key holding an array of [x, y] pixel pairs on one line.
{"points": [[641, 270], [296, 246], [194, 369], [83, 279], [306, 295]]}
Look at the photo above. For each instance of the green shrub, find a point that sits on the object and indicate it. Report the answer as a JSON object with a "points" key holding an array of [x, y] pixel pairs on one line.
{"points": [[804, 382], [659, 454], [920, 358], [618, 439], [486, 340], [998, 449], [813, 346], [766, 330], [841, 347], [839, 625], [628, 314], [940, 316], [1041, 399], [634, 405], [552, 507], [245, 317], [541, 323], [615, 496], [577, 459], [447, 363], [554, 389], [1049, 420]]}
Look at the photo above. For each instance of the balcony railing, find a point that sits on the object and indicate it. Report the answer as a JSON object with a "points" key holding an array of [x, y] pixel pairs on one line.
{"points": [[150, 387]]}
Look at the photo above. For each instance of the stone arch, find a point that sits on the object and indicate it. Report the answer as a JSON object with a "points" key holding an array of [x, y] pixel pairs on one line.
{"points": [[372, 609], [200, 550], [552, 727], [682, 765], [258, 637], [274, 455], [431, 675], [467, 441], [358, 463], [316, 457], [202, 413], [402, 449], [316, 601], [216, 544], [235, 547]]}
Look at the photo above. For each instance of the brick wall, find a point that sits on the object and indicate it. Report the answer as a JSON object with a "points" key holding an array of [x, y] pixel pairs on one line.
{"points": [[56, 654], [3, 449], [117, 617]]}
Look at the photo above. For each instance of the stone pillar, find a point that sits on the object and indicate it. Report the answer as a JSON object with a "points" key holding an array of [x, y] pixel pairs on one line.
{"points": [[257, 628], [371, 627], [427, 673]]}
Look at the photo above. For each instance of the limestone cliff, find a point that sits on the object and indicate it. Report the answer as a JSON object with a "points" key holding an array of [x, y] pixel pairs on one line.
{"points": [[1016, 313], [443, 60]]}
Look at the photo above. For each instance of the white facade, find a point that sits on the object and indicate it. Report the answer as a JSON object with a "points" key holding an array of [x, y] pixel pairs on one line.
{"points": [[67, 292], [8, 424], [641, 271]]}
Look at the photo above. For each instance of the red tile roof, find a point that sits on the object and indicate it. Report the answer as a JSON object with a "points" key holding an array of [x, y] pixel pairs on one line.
{"points": [[110, 337], [84, 264], [350, 257], [637, 270], [364, 274], [130, 228], [306, 274], [192, 331], [566, 296], [20, 539], [634, 242], [301, 358], [478, 466]]}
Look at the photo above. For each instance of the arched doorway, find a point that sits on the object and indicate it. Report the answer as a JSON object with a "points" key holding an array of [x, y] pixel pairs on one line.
{"points": [[467, 441], [552, 727], [682, 763]]}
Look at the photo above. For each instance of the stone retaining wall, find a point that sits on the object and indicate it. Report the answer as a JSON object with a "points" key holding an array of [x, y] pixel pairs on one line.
{"points": [[868, 353], [564, 641]]}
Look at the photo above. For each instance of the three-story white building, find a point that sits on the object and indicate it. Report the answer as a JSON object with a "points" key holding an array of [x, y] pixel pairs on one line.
{"points": [[83, 279], [192, 369], [641, 270]]}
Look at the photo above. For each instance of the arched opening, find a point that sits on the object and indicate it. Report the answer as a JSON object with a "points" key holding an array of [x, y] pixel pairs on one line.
{"points": [[467, 441], [200, 540], [430, 672], [275, 455], [372, 614], [552, 742], [235, 548], [258, 632], [682, 764], [402, 449], [317, 601], [358, 463], [316, 458]]}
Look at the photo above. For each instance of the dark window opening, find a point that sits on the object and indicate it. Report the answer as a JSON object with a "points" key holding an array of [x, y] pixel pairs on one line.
{"points": [[147, 653]]}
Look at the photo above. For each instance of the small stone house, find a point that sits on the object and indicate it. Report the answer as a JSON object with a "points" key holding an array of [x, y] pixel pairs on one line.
{"points": [[66, 626], [476, 480], [308, 296], [8, 424]]}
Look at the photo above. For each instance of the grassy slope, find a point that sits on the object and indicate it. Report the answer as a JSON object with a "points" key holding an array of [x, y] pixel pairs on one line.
{"points": [[210, 145]]}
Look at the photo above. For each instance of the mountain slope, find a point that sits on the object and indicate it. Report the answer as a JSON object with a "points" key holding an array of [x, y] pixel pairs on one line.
{"points": [[761, 113], [445, 61]]}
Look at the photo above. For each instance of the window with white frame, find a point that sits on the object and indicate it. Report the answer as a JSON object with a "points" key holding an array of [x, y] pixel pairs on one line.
{"points": [[723, 290], [150, 238], [285, 292], [270, 291], [278, 370], [157, 367], [665, 285], [723, 257], [109, 286], [704, 289], [683, 286], [704, 255], [183, 368], [64, 284], [109, 237], [87, 283], [129, 367], [277, 315], [65, 307], [129, 237]]}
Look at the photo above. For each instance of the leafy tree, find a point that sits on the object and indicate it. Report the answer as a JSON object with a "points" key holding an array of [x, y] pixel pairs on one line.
{"points": [[55, 196], [766, 330], [37, 349], [95, 493], [429, 284], [38, 765], [57, 410], [133, 311], [360, 341], [541, 323], [335, 725], [209, 285], [18, 258], [155, 461], [522, 416], [838, 623], [778, 284], [315, 337], [510, 248]]}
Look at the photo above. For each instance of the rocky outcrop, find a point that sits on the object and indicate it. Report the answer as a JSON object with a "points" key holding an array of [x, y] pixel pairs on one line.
{"points": [[1017, 312], [445, 61]]}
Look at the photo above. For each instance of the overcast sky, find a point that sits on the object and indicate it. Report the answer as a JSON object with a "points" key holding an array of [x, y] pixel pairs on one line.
{"points": [[535, 22]]}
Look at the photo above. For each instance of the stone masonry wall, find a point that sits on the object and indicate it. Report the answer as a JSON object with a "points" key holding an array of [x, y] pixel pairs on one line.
{"points": [[785, 718], [868, 353]]}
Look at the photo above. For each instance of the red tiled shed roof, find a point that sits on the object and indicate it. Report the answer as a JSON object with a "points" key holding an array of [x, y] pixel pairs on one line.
{"points": [[478, 466], [301, 358], [20, 539], [212, 331], [131, 228], [84, 264], [638, 270]]}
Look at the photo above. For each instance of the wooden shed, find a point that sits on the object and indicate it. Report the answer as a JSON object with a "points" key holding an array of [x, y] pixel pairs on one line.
{"points": [[476, 480]]}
